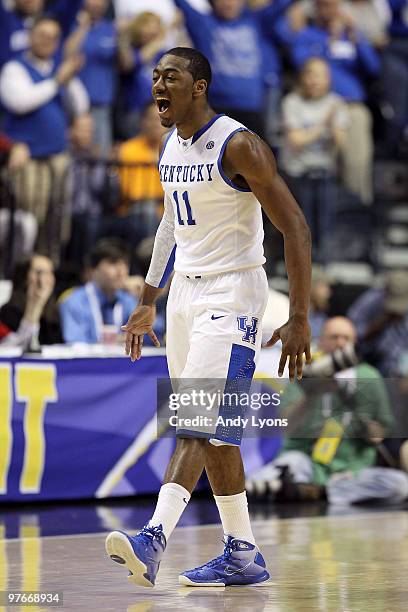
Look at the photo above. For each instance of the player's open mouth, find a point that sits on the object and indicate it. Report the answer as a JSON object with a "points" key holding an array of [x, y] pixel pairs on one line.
{"points": [[163, 105]]}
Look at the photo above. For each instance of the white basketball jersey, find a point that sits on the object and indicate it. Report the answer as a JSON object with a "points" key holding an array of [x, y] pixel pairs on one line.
{"points": [[218, 225]]}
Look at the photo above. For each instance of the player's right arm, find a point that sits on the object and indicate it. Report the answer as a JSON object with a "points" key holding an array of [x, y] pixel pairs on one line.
{"points": [[249, 161], [142, 318]]}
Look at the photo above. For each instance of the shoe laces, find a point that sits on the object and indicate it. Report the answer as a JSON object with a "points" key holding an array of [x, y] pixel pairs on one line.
{"points": [[228, 550], [149, 535]]}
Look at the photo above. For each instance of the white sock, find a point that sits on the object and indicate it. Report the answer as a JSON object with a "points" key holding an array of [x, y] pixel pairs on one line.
{"points": [[234, 515], [172, 500]]}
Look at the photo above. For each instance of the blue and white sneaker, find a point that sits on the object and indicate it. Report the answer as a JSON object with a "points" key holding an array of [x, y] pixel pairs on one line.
{"points": [[240, 564], [140, 554]]}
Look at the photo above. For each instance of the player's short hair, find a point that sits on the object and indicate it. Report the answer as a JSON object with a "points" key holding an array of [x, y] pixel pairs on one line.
{"points": [[110, 249], [199, 66]]}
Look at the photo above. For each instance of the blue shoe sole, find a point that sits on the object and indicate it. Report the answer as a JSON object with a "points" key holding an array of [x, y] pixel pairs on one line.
{"points": [[120, 550]]}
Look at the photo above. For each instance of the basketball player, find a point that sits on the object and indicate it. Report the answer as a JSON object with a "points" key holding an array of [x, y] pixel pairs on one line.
{"points": [[216, 175]]}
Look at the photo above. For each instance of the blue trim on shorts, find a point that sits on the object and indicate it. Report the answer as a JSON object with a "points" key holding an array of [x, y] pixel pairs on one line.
{"points": [[239, 378], [219, 163], [169, 268]]}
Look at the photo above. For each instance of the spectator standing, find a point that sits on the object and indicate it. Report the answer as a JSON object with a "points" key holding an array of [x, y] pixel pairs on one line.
{"points": [[381, 319], [95, 312], [16, 23], [315, 123], [141, 190], [92, 190], [233, 39], [31, 318], [332, 35], [32, 90], [95, 38]]}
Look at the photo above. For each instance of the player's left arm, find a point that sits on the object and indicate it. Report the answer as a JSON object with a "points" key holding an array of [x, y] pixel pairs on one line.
{"points": [[248, 158]]}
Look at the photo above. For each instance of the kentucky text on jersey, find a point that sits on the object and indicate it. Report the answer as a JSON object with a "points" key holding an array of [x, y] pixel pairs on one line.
{"points": [[199, 173]]}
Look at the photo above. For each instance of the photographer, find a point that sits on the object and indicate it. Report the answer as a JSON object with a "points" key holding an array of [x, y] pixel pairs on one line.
{"points": [[336, 423]]}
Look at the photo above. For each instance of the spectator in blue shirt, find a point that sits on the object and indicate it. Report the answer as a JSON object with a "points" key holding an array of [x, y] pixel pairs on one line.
{"points": [[95, 312], [16, 23], [233, 39], [332, 35], [95, 39]]}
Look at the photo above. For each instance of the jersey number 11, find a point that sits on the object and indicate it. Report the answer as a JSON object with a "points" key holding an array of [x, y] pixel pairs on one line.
{"points": [[190, 220]]}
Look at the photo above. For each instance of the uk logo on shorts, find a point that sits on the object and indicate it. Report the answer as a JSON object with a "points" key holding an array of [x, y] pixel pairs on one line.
{"points": [[250, 330]]}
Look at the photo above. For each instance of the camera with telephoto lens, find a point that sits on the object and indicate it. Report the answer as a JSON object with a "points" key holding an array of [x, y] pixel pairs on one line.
{"points": [[328, 365]]}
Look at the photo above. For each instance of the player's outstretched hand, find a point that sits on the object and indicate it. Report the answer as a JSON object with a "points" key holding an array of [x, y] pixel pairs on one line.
{"points": [[295, 336], [140, 323]]}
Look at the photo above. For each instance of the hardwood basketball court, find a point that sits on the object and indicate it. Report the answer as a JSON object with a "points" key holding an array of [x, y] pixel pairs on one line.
{"points": [[356, 563]]}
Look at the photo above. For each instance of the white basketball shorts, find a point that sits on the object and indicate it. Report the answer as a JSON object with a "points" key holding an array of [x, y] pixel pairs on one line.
{"points": [[214, 333]]}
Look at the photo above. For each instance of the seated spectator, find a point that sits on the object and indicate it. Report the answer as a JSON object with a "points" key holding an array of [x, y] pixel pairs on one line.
{"points": [[17, 21], [31, 89], [335, 426], [141, 190], [141, 45], [30, 318], [95, 312], [381, 320], [238, 44], [95, 39], [315, 125], [92, 190], [332, 35]]}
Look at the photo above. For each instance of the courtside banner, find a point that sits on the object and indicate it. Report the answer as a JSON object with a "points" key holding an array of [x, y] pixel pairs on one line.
{"points": [[87, 428]]}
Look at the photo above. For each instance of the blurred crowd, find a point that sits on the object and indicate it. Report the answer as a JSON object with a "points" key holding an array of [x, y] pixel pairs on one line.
{"points": [[324, 81]]}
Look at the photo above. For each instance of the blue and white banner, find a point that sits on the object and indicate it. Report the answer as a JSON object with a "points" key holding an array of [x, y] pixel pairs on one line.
{"points": [[87, 427]]}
